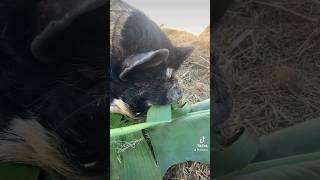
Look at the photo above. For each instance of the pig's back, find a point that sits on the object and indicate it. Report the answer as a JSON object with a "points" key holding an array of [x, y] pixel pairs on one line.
{"points": [[119, 13]]}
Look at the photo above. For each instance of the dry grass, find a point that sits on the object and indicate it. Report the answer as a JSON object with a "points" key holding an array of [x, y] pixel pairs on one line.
{"points": [[194, 76], [270, 54], [194, 73], [188, 171]]}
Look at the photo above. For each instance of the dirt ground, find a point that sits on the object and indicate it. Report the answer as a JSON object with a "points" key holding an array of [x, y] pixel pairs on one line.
{"points": [[270, 53], [194, 76]]}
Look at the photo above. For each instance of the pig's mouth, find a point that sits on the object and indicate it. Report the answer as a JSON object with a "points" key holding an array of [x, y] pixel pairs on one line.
{"points": [[120, 107]]}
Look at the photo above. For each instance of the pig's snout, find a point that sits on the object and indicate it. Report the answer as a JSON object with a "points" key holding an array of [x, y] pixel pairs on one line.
{"points": [[175, 93]]}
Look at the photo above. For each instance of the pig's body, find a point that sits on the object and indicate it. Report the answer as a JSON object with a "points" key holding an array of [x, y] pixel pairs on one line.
{"points": [[142, 60], [222, 98], [53, 113], [53, 72]]}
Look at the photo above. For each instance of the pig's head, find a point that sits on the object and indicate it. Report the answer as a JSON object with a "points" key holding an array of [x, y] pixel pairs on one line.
{"points": [[144, 63]]}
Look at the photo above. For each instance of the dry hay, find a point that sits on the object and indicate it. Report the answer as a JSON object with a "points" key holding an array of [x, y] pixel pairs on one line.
{"points": [[188, 170], [270, 54], [194, 76]]}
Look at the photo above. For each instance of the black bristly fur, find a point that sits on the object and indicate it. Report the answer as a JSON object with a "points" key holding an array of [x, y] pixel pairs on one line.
{"points": [[221, 95], [67, 98], [139, 35], [219, 9], [222, 100]]}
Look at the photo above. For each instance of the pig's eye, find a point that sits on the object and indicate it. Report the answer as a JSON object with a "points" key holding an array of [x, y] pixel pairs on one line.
{"points": [[168, 73]]}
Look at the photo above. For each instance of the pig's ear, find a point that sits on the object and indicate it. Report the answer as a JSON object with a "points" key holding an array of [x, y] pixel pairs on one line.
{"points": [[66, 30], [143, 61], [182, 53]]}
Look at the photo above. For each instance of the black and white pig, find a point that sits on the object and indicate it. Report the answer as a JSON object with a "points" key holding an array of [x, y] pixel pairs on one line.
{"points": [[53, 71], [221, 93], [143, 61], [54, 75]]}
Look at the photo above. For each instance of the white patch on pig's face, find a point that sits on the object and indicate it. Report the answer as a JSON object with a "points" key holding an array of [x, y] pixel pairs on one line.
{"points": [[169, 73], [120, 107]]}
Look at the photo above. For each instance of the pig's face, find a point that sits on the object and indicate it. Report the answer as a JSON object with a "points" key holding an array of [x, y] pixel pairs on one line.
{"points": [[144, 73], [141, 85]]}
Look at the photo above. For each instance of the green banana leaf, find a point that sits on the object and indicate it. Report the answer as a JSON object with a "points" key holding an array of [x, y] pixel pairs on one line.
{"points": [[170, 135], [299, 139], [179, 141], [138, 160], [289, 154], [236, 156], [18, 172], [300, 167]]}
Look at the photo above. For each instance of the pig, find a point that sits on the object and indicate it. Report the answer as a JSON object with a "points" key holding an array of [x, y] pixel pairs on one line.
{"points": [[143, 61], [221, 93], [53, 89], [219, 9], [54, 80]]}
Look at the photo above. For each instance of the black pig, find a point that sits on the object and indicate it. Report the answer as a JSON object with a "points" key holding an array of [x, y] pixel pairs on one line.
{"points": [[219, 9], [53, 72], [221, 94], [222, 99], [143, 60]]}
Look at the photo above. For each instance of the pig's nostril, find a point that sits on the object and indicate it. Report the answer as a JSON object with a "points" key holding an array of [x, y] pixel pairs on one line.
{"points": [[174, 93]]}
